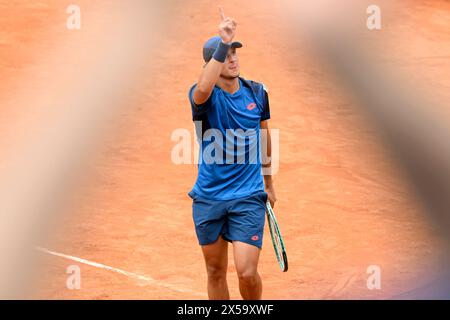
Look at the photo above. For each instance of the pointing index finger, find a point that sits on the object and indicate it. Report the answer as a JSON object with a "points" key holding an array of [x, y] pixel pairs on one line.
{"points": [[222, 14]]}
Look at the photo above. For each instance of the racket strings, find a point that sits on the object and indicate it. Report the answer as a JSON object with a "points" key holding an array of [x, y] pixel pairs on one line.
{"points": [[277, 239], [277, 242]]}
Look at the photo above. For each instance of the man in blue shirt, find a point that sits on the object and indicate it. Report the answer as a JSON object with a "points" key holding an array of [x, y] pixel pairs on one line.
{"points": [[230, 193]]}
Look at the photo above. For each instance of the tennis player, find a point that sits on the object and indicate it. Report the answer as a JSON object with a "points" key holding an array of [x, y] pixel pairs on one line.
{"points": [[229, 195]]}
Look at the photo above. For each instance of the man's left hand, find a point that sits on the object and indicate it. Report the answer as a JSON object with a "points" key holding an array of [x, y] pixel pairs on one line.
{"points": [[271, 195]]}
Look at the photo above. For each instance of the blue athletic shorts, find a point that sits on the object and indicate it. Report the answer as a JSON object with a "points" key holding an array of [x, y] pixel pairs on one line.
{"points": [[235, 220]]}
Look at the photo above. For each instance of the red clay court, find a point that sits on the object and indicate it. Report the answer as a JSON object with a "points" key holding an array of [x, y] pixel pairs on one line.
{"points": [[342, 203]]}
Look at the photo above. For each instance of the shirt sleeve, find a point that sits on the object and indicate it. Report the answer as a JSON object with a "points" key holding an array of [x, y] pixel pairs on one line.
{"points": [[266, 107], [201, 109]]}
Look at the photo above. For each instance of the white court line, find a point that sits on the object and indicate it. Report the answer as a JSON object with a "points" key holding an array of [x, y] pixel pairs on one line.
{"points": [[123, 272]]}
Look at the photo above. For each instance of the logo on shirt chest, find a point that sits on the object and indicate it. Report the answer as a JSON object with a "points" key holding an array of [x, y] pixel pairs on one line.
{"points": [[251, 106]]}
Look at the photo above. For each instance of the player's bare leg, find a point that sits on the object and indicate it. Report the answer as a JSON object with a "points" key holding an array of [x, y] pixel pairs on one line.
{"points": [[246, 259], [216, 259]]}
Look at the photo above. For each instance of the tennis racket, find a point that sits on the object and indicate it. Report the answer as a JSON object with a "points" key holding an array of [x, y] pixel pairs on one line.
{"points": [[277, 240]]}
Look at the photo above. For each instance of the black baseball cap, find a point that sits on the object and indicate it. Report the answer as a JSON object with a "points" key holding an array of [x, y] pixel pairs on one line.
{"points": [[211, 45]]}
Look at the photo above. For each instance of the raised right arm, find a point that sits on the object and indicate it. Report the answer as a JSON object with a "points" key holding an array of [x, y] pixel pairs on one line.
{"points": [[211, 72]]}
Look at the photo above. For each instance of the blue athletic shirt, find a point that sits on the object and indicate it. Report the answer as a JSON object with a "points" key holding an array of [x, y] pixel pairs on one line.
{"points": [[231, 172]]}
